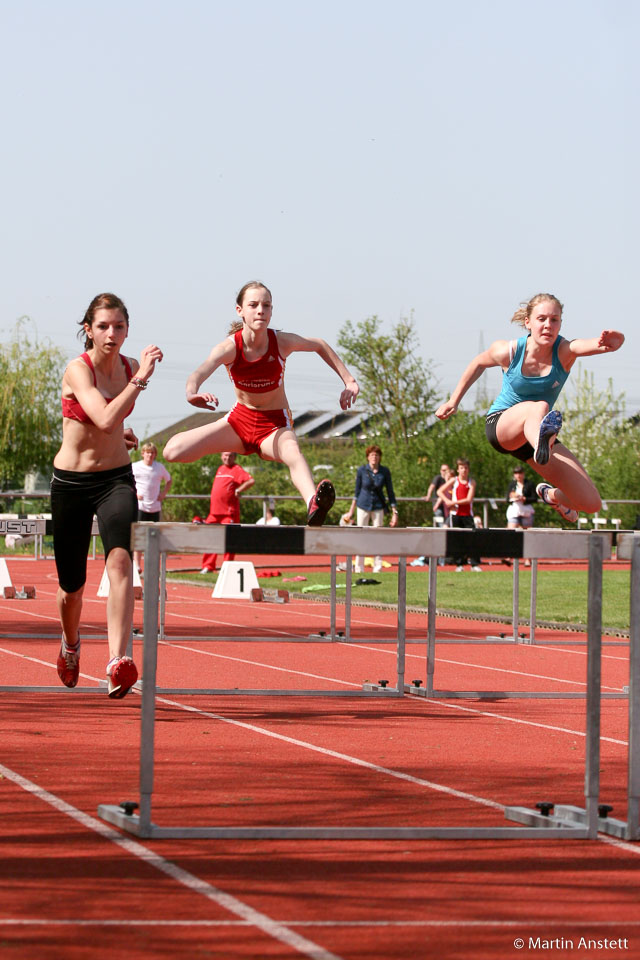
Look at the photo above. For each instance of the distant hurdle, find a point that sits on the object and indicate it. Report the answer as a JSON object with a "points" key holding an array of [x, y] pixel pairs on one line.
{"points": [[21, 527], [158, 540]]}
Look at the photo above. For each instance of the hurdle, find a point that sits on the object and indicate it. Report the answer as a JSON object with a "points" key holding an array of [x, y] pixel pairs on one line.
{"points": [[163, 538], [25, 525], [628, 548], [537, 544]]}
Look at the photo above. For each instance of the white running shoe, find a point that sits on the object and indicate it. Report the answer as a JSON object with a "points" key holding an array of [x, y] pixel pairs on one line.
{"points": [[567, 513]]}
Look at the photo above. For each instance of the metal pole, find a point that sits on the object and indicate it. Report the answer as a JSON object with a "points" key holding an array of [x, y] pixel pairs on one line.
{"points": [[332, 625], [594, 669], [516, 598], [347, 600], [149, 666], [533, 601], [633, 791], [163, 594], [402, 621], [431, 623]]}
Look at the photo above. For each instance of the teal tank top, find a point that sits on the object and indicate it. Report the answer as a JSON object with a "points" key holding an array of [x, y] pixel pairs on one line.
{"points": [[516, 387]]}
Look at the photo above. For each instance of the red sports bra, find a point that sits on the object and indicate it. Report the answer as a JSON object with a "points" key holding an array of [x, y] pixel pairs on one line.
{"points": [[71, 408], [257, 376]]}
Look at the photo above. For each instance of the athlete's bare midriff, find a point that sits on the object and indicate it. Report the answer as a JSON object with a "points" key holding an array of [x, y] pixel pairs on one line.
{"points": [[273, 400], [85, 448]]}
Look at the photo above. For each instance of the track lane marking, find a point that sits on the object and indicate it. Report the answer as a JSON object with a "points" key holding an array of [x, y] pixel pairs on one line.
{"points": [[272, 928], [480, 666], [332, 924], [451, 706]]}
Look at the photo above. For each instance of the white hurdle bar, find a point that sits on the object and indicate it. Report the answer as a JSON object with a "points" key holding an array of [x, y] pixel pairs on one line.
{"points": [[163, 538]]}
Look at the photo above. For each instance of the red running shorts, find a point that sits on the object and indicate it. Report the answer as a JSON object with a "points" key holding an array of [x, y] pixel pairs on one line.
{"points": [[254, 426]]}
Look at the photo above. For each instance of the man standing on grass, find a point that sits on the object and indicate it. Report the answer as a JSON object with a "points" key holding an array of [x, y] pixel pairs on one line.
{"points": [[229, 482]]}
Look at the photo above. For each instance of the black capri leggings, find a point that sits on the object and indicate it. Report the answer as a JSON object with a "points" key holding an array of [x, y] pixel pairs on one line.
{"points": [[75, 498]]}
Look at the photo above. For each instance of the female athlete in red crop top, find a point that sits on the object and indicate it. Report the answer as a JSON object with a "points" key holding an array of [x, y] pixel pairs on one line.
{"points": [[73, 410], [260, 421], [92, 475]]}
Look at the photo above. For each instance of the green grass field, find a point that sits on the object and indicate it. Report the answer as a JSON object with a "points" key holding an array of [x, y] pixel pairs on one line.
{"points": [[562, 594]]}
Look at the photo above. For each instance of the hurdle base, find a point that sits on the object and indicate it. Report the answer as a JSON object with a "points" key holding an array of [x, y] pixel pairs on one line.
{"points": [[379, 688], [507, 694], [131, 824], [609, 825], [555, 821]]}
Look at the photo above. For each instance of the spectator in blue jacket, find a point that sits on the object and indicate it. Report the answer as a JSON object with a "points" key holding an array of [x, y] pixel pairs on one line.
{"points": [[369, 500]]}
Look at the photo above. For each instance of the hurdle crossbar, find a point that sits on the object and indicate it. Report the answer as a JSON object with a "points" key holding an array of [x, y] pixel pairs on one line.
{"points": [[162, 538]]}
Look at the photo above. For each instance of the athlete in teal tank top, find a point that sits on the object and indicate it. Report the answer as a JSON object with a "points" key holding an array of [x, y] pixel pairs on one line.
{"points": [[516, 387], [521, 421]]}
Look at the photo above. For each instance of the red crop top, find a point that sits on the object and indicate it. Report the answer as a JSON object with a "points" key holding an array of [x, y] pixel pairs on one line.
{"points": [[71, 408], [257, 376]]}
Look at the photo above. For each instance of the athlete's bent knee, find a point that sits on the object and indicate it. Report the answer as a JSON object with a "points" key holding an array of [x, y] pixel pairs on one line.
{"points": [[171, 451]]}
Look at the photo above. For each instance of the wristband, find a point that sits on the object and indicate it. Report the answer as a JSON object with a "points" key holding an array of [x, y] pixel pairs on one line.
{"points": [[140, 384]]}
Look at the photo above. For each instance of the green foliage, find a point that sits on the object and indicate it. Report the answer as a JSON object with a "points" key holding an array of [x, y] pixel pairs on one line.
{"points": [[561, 594], [397, 386], [591, 418], [30, 418]]}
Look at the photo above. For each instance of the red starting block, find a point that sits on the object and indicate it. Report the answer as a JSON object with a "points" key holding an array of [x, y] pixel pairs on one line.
{"points": [[27, 593], [9, 593], [264, 595]]}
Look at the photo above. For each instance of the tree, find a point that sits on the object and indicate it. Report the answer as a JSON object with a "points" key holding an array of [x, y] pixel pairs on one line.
{"points": [[397, 387], [591, 419], [30, 416]]}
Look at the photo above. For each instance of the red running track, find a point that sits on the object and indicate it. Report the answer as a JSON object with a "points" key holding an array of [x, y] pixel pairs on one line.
{"points": [[72, 886]]}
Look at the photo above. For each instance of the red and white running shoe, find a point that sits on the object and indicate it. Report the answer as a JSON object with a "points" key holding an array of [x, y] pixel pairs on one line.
{"points": [[321, 502], [121, 676], [68, 664]]}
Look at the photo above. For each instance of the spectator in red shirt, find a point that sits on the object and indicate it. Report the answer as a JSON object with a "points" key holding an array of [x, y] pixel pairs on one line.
{"points": [[229, 482], [457, 494]]}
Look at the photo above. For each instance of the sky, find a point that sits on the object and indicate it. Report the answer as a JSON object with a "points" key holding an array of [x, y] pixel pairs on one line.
{"points": [[445, 160]]}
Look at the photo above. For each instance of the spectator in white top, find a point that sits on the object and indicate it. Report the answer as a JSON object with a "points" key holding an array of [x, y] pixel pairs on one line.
{"points": [[153, 482], [269, 519]]}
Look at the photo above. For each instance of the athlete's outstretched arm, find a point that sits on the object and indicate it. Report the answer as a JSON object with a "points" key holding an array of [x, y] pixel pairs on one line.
{"points": [[607, 342], [497, 355], [292, 343], [223, 352]]}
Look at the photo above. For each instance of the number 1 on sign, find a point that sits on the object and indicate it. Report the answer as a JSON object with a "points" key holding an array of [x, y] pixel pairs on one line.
{"points": [[241, 575]]}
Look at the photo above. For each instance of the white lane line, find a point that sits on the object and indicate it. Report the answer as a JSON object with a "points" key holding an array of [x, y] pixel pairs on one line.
{"points": [[482, 666], [47, 663], [332, 924], [277, 931], [334, 754], [225, 623], [443, 703], [526, 723], [257, 663]]}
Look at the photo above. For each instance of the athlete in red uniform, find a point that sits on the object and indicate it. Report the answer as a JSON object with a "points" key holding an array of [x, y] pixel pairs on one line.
{"points": [[229, 482], [457, 494], [260, 421]]}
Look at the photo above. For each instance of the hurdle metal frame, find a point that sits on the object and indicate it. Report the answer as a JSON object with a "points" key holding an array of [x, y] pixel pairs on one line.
{"points": [[628, 546], [163, 538]]}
